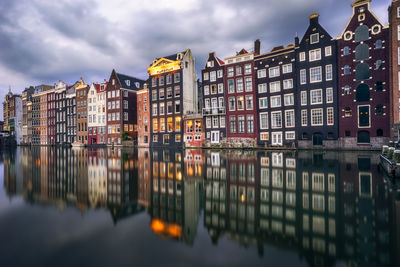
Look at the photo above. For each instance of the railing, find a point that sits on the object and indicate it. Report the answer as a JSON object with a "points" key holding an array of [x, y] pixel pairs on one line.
{"points": [[214, 111]]}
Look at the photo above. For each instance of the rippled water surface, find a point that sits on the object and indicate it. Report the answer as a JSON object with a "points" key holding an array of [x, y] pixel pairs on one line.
{"points": [[146, 207]]}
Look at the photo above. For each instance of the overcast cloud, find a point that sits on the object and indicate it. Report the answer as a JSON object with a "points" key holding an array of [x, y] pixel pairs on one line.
{"points": [[45, 41]]}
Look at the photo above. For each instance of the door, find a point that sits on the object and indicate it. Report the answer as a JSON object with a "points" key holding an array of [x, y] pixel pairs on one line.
{"points": [[215, 137], [363, 116], [317, 139]]}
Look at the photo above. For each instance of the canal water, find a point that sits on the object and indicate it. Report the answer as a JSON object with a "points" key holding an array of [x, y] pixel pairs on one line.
{"points": [[148, 207]]}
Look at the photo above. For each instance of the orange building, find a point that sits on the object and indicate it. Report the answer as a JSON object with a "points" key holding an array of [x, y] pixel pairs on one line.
{"points": [[194, 131], [143, 116], [81, 109]]}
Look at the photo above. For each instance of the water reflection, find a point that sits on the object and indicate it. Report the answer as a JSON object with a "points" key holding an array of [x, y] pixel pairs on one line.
{"points": [[326, 207]]}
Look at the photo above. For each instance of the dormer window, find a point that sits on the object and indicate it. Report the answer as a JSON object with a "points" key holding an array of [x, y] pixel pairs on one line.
{"points": [[128, 82], [137, 85], [210, 64], [314, 38]]}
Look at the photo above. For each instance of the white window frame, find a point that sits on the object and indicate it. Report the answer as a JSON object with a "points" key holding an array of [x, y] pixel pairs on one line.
{"points": [[262, 88], [264, 127], [220, 88], [287, 84], [311, 37], [314, 55], [303, 76], [272, 105], [206, 76], [261, 73], [302, 56], [291, 111], [311, 97], [287, 68], [320, 74], [303, 98], [328, 70], [330, 111], [291, 96], [263, 100], [304, 117], [273, 88], [272, 121], [275, 140], [322, 117], [291, 133], [329, 95], [328, 51], [274, 72]]}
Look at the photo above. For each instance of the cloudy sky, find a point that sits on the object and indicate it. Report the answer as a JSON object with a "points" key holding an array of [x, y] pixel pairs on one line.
{"points": [[45, 41]]}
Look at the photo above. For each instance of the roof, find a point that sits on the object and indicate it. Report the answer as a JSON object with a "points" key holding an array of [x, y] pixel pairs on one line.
{"points": [[98, 87], [360, 2], [242, 52], [129, 82], [220, 61], [174, 56]]}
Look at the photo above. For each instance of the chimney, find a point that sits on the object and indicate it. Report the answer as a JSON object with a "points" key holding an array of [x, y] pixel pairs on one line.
{"points": [[296, 40], [257, 46], [314, 18]]}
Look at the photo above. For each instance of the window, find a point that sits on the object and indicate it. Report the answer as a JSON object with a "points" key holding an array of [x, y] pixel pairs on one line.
{"points": [[275, 101], [263, 102], [346, 51], [169, 91], [221, 102], [210, 64], [378, 44], [215, 122], [247, 69], [177, 91], [289, 100], [230, 72], [303, 98], [169, 79], [155, 125], [304, 118], [177, 77], [220, 73], [347, 112], [275, 87], [232, 124], [379, 85], [316, 96], [169, 108], [205, 76], [398, 12], [155, 109], [303, 77], [250, 123], [161, 94], [241, 124], [378, 64], [328, 72], [315, 75], [262, 88], [208, 123], [288, 84], [290, 135], [240, 103], [328, 51], [154, 82], [262, 73], [231, 86], [213, 89], [362, 33], [315, 55], [302, 56], [264, 136], [346, 90], [220, 88], [314, 38], [362, 93], [206, 90], [364, 118], [329, 116], [329, 95], [277, 138], [213, 76], [249, 102], [362, 52], [287, 68], [239, 70], [161, 81], [317, 117], [289, 118], [162, 108], [232, 103], [276, 119], [264, 120], [248, 84], [346, 70], [274, 72]]}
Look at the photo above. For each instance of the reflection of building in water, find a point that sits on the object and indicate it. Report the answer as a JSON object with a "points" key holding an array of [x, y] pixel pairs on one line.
{"points": [[215, 210], [365, 211], [122, 184], [12, 172], [144, 177], [194, 161], [242, 196], [97, 178], [175, 199], [82, 178]]}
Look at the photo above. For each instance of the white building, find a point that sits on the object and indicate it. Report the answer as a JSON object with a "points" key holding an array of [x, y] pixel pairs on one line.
{"points": [[97, 113]]}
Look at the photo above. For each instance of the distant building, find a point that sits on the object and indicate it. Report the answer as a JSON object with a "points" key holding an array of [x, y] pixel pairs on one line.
{"points": [[240, 99], [97, 113], [173, 86], [143, 116], [81, 110], [51, 116], [364, 104], [61, 113], [37, 113], [214, 107], [122, 107], [12, 108], [27, 115], [71, 114]]}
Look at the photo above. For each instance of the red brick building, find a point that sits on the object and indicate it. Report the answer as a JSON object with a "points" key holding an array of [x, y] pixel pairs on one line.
{"points": [[193, 130], [81, 108], [143, 116], [122, 108]]}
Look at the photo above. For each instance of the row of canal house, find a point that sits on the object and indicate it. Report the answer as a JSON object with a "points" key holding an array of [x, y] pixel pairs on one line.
{"points": [[319, 91]]}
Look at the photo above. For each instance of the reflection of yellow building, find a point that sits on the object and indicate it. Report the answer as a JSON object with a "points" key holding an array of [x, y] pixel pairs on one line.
{"points": [[97, 180], [144, 177]]}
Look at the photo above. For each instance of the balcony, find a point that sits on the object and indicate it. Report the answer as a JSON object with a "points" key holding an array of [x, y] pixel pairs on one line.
{"points": [[214, 111]]}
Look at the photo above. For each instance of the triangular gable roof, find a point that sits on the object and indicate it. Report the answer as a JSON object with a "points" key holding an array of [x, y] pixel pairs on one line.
{"points": [[309, 31], [243, 51], [129, 82], [160, 60]]}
